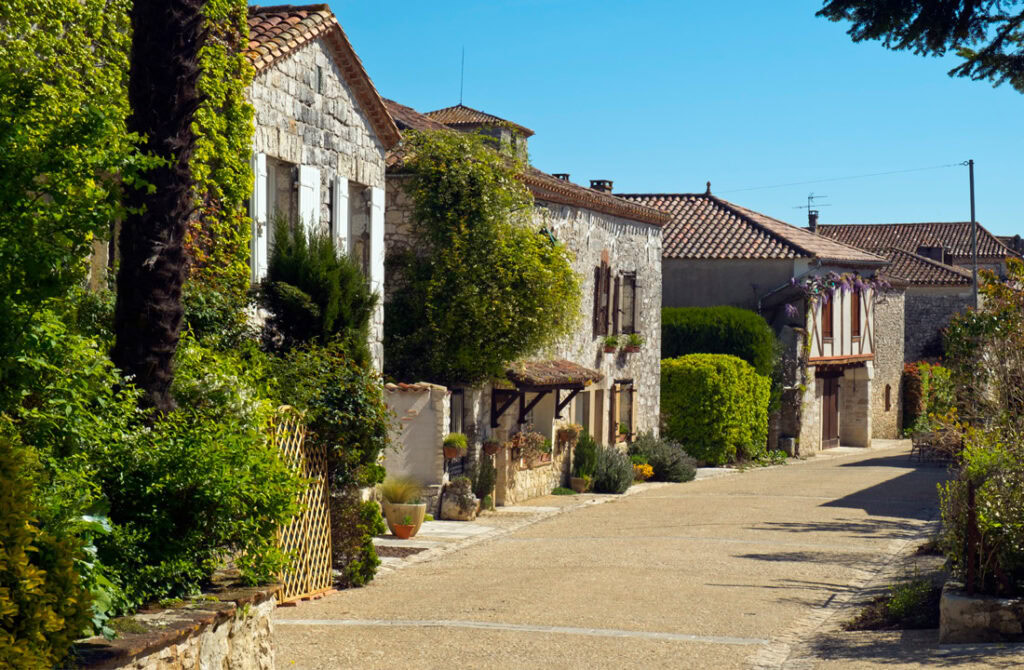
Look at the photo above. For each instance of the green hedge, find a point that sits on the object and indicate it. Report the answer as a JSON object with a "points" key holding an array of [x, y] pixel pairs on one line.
{"points": [[716, 406], [718, 330]]}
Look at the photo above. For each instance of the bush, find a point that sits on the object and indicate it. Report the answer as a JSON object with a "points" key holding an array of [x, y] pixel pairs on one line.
{"points": [[668, 459], [613, 472], [484, 477], [716, 406], [928, 391], [354, 523], [719, 330], [400, 490], [457, 440], [313, 293], [43, 607], [584, 456]]}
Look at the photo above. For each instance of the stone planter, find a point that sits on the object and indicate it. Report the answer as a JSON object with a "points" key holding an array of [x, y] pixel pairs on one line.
{"points": [[579, 484], [395, 513], [964, 618]]}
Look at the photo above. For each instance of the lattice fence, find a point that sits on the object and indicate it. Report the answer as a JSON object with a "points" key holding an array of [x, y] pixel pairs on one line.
{"points": [[308, 536]]}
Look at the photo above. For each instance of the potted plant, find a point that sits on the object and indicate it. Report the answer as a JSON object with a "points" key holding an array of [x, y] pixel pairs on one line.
{"points": [[530, 445], [580, 484], [633, 343], [454, 445], [400, 498], [611, 343], [584, 463], [569, 433], [405, 529], [623, 433], [491, 447]]}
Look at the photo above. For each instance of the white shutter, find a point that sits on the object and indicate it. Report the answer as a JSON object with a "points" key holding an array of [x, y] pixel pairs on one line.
{"points": [[309, 197], [339, 201], [377, 239], [258, 213]]}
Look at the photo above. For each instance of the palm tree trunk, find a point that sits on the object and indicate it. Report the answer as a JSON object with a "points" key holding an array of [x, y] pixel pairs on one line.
{"points": [[166, 38]]}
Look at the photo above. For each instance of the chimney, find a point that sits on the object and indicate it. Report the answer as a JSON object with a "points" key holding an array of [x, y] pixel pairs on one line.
{"points": [[602, 185], [564, 176], [812, 220], [708, 192]]}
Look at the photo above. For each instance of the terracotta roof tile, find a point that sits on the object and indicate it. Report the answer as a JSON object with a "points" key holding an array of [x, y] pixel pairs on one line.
{"points": [[552, 373], [706, 227], [953, 236], [460, 115], [922, 271], [543, 186], [278, 31]]}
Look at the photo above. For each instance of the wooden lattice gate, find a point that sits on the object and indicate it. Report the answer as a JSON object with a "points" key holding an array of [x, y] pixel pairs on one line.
{"points": [[308, 536]]}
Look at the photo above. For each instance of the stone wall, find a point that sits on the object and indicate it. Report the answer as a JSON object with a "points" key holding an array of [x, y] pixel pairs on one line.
{"points": [[234, 633], [964, 618], [328, 131], [422, 412], [855, 407], [516, 482], [929, 310], [888, 365]]}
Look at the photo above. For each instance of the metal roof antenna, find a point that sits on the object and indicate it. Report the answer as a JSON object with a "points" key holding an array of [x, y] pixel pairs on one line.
{"points": [[812, 210]]}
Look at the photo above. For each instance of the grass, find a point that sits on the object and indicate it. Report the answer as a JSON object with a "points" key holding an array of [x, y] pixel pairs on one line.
{"points": [[907, 606], [399, 490], [562, 491], [126, 625]]}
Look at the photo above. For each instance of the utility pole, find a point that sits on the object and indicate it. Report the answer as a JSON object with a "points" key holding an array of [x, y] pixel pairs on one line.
{"points": [[974, 233]]}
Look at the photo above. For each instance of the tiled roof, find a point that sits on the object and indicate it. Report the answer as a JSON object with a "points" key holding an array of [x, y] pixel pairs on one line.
{"points": [[953, 236], [923, 271], [418, 387], [277, 32], [543, 186], [706, 227], [553, 373], [460, 115]]}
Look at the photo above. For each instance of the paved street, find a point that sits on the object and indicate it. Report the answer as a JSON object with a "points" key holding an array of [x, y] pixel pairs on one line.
{"points": [[740, 571]]}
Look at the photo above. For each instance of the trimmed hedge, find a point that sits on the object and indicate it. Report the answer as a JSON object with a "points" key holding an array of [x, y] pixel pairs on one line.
{"points": [[718, 330], [716, 406]]}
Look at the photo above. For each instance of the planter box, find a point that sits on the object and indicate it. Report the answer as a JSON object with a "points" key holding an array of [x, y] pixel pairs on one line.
{"points": [[977, 618], [394, 513]]}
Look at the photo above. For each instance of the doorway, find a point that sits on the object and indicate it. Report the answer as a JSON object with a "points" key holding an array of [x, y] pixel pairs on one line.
{"points": [[830, 412]]}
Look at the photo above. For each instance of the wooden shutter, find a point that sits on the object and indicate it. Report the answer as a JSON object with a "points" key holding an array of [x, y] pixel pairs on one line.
{"points": [[339, 214], [632, 412], [616, 320], [377, 240], [606, 289], [309, 197], [597, 300], [826, 315], [258, 206], [855, 313]]}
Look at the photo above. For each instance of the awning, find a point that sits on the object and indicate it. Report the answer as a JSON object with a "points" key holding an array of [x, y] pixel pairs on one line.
{"points": [[541, 378]]}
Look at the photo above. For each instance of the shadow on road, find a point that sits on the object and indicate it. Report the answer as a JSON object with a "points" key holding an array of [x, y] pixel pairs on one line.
{"points": [[853, 528], [910, 496], [918, 647]]}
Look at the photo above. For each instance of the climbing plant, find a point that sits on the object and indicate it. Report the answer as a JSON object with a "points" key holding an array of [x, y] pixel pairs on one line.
{"points": [[482, 288], [218, 239]]}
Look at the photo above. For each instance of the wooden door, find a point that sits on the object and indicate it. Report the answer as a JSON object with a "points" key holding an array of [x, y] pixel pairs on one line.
{"points": [[830, 413]]}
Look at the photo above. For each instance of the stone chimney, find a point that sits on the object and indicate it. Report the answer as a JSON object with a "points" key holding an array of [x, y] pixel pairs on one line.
{"points": [[564, 176], [602, 185], [812, 220]]}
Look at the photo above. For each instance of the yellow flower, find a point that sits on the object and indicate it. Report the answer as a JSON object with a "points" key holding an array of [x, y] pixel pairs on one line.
{"points": [[642, 472]]}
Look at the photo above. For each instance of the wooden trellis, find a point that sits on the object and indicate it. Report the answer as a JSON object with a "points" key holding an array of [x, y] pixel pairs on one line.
{"points": [[308, 536]]}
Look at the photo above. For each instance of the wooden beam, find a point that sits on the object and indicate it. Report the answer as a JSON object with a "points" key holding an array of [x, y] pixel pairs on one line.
{"points": [[524, 409], [500, 406], [562, 404]]}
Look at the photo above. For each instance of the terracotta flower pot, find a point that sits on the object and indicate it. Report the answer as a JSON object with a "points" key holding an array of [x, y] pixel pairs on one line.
{"points": [[491, 448], [395, 513], [632, 349], [609, 350], [451, 452], [403, 532], [578, 484]]}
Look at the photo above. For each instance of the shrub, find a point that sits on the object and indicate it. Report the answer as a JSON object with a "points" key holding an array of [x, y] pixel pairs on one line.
{"points": [[400, 490], [43, 607], [584, 456], [669, 460], [484, 477], [562, 491], [313, 293], [457, 440], [928, 391], [613, 472], [354, 523], [716, 406], [719, 330]]}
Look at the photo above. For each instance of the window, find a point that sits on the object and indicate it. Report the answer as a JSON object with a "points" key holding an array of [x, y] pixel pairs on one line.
{"points": [[319, 79], [628, 303], [622, 411], [456, 417], [826, 315], [583, 409], [888, 397], [602, 298], [855, 313]]}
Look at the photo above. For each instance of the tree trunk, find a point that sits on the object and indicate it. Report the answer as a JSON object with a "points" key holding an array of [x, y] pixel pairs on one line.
{"points": [[166, 38]]}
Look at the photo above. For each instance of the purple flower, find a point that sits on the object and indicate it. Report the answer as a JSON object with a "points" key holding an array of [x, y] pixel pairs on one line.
{"points": [[791, 310]]}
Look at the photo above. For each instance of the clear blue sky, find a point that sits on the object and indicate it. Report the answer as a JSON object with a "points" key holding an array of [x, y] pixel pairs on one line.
{"points": [[662, 96]]}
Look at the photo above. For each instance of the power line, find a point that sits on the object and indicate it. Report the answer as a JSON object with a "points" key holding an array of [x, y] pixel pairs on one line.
{"points": [[856, 176]]}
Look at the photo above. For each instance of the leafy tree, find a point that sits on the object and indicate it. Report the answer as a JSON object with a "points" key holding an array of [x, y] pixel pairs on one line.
{"points": [[63, 143], [163, 94], [315, 294], [481, 288], [987, 34]]}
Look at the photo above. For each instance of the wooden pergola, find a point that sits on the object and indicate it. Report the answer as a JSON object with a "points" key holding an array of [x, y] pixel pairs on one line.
{"points": [[540, 378]]}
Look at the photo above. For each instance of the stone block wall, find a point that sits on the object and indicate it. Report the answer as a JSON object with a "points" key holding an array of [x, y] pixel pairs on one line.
{"points": [[888, 365], [928, 311], [517, 483], [422, 412]]}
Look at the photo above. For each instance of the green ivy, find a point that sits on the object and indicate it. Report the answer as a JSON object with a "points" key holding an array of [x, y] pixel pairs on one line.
{"points": [[219, 238], [482, 288]]}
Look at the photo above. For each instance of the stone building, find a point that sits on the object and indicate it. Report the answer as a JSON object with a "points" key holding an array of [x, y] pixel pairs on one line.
{"points": [[321, 138], [936, 261], [617, 249], [837, 355]]}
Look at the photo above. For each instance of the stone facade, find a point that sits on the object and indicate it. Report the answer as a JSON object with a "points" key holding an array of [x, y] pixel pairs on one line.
{"points": [[887, 384], [318, 160], [929, 310], [204, 634], [964, 618]]}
